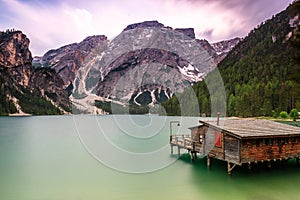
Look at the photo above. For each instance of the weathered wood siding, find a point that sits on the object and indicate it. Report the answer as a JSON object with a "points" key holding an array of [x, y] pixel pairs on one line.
{"points": [[197, 136], [196, 133], [210, 140], [232, 149], [269, 149]]}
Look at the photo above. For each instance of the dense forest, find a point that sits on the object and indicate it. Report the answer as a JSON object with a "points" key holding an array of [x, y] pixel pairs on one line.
{"points": [[261, 74]]}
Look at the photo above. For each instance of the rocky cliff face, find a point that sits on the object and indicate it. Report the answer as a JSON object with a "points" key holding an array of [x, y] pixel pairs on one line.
{"points": [[224, 47], [15, 55], [21, 83], [50, 85], [67, 60]]}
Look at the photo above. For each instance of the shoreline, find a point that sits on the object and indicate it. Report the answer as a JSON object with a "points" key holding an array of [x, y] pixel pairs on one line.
{"points": [[19, 115]]}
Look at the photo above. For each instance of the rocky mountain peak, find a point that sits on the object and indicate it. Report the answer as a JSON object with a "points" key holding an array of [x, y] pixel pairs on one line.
{"points": [[15, 55], [222, 48], [14, 49], [145, 24], [68, 59], [91, 42]]}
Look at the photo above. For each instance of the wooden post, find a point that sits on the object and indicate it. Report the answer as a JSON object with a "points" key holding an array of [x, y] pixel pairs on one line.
{"points": [[193, 146], [223, 145], [192, 156], [249, 166], [178, 151], [269, 164], [208, 161], [171, 149], [171, 132], [230, 168]]}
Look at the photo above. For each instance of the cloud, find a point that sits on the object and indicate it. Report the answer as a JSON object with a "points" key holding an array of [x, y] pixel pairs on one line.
{"points": [[48, 26], [51, 24]]}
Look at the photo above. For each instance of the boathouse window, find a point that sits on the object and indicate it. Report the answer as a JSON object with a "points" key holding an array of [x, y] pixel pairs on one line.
{"points": [[267, 141], [270, 141], [286, 141], [257, 143], [293, 140], [201, 139], [244, 142], [218, 139]]}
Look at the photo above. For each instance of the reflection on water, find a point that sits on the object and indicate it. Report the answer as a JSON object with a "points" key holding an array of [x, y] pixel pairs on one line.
{"points": [[43, 158]]}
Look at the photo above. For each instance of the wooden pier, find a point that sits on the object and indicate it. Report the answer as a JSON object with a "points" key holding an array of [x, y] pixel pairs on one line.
{"points": [[185, 142], [240, 142]]}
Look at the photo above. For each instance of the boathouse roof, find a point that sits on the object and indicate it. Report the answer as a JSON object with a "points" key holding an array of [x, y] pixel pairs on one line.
{"points": [[253, 128]]}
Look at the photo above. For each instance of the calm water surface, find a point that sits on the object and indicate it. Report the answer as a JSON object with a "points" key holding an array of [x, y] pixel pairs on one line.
{"points": [[57, 157]]}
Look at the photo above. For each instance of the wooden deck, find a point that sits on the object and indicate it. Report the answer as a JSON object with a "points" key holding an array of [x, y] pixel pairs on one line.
{"points": [[185, 142]]}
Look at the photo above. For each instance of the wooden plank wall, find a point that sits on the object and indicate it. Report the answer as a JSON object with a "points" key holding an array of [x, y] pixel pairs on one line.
{"points": [[232, 149], [211, 149], [269, 149]]}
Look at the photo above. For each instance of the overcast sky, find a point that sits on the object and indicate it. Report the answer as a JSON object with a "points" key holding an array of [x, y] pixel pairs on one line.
{"points": [[53, 23]]}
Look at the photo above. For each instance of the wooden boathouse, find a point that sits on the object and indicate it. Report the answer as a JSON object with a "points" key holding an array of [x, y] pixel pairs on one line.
{"points": [[240, 141]]}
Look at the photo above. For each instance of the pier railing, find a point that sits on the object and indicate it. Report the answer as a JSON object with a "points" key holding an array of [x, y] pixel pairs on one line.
{"points": [[184, 141]]}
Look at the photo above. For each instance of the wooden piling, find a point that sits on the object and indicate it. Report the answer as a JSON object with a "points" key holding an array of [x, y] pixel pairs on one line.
{"points": [[230, 167], [249, 166], [208, 162]]}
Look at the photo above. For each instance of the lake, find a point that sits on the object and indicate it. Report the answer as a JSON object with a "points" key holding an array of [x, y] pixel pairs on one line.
{"points": [[122, 157]]}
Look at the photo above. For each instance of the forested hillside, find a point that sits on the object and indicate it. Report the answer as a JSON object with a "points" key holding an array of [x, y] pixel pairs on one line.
{"points": [[261, 74], [30, 101]]}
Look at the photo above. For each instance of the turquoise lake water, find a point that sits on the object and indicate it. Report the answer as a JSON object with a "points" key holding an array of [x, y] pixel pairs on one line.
{"points": [[122, 157]]}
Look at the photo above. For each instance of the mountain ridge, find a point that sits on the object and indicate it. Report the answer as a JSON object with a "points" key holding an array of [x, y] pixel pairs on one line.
{"points": [[67, 63], [50, 75]]}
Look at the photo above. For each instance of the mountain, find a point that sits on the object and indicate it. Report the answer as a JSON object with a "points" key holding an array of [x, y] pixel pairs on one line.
{"points": [[22, 88], [146, 64], [68, 59], [147, 52], [224, 47], [261, 73]]}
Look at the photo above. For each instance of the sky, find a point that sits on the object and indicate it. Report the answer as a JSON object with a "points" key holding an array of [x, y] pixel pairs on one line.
{"points": [[54, 23]]}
